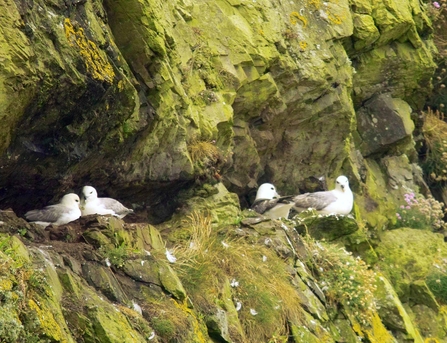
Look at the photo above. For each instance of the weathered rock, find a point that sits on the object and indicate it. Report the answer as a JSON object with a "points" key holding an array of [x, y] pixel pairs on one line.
{"points": [[328, 227], [382, 123], [170, 281], [392, 311]]}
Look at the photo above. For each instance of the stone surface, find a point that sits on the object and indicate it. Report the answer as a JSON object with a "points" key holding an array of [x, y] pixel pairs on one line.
{"points": [[382, 123]]}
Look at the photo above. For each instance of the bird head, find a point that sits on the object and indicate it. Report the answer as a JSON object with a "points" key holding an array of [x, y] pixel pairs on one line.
{"points": [[342, 183], [70, 199], [88, 192], [266, 192]]}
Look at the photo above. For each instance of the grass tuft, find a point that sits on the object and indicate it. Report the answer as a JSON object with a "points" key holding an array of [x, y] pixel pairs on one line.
{"points": [[259, 279]]}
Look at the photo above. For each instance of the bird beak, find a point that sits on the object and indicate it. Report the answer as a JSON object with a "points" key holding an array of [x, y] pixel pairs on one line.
{"points": [[342, 187], [276, 196]]}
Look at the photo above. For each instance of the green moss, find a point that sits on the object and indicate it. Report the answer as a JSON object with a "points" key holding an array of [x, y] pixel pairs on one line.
{"points": [[164, 327], [437, 282]]}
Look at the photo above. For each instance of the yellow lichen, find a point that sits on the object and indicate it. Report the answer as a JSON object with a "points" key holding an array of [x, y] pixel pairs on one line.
{"points": [[431, 340], [315, 3], [294, 16], [334, 18], [198, 333], [47, 322], [5, 285], [95, 63]]}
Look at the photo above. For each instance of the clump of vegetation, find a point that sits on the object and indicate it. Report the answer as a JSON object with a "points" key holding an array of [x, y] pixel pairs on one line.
{"points": [[261, 289], [168, 320], [344, 279], [435, 159], [208, 96], [207, 159], [117, 255], [420, 213], [437, 282], [437, 11]]}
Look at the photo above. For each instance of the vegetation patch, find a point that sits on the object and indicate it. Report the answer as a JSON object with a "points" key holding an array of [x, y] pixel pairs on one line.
{"points": [[117, 255], [344, 279], [261, 290], [168, 321], [437, 282], [420, 213], [207, 159], [434, 160]]}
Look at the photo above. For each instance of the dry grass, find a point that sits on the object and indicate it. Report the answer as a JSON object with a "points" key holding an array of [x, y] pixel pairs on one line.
{"points": [[209, 260], [203, 151]]}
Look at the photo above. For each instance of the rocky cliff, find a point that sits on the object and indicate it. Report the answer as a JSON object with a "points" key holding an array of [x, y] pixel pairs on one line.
{"points": [[181, 109]]}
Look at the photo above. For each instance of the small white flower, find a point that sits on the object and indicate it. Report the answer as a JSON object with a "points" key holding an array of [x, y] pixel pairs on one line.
{"points": [[171, 258], [253, 312], [108, 264], [226, 245], [234, 283], [148, 253], [152, 336], [142, 262], [264, 258]]}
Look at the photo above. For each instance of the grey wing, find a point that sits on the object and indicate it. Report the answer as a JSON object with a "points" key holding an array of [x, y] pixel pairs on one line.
{"points": [[48, 214], [317, 200], [264, 205], [115, 205]]}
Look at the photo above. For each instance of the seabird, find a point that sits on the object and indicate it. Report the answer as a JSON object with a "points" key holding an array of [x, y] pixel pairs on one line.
{"points": [[91, 204], [64, 212], [270, 204], [337, 201]]}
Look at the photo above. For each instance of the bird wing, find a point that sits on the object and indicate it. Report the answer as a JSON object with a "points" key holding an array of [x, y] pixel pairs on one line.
{"points": [[262, 206], [114, 205], [317, 200], [48, 214]]}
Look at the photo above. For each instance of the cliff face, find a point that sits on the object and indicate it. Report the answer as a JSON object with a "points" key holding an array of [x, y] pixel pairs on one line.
{"points": [[161, 104], [119, 94]]}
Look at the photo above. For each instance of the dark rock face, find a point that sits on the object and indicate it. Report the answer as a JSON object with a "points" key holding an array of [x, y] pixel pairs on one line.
{"points": [[382, 123]]}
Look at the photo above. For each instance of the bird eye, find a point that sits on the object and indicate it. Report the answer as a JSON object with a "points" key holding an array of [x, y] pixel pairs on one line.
{"points": [[273, 188], [91, 192], [77, 200]]}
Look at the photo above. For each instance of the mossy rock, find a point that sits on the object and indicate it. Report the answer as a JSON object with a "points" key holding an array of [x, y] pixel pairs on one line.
{"points": [[328, 227], [409, 255]]}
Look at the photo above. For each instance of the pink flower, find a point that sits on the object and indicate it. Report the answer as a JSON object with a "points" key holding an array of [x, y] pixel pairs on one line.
{"points": [[398, 216], [408, 207], [436, 4], [402, 206]]}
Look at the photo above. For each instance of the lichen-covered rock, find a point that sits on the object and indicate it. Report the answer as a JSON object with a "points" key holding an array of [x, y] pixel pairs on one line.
{"points": [[327, 227], [382, 123], [393, 313]]}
